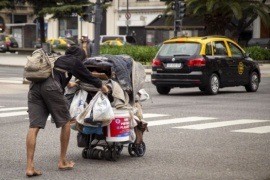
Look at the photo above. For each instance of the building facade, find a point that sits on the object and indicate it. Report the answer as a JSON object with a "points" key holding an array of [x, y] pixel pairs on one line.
{"points": [[138, 18]]}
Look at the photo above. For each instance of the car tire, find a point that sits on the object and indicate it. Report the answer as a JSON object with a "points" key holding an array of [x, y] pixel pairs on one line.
{"points": [[213, 84], [163, 90], [253, 83]]}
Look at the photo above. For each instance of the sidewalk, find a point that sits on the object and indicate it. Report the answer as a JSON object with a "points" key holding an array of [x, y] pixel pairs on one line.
{"points": [[17, 60]]}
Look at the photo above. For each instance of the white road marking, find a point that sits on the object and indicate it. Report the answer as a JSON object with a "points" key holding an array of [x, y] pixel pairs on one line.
{"points": [[149, 115], [258, 130], [18, 113], [12, 109], [220, 124], [49, 118], [178, 120], [15, 80]]}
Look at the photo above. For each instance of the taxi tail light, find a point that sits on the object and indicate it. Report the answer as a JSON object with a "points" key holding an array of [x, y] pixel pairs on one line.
{"points": [[199, 62], [156, 62], [8, 43]]}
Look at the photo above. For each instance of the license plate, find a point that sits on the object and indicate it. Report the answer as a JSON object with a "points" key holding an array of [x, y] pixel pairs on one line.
{"points": [[174, 65]]}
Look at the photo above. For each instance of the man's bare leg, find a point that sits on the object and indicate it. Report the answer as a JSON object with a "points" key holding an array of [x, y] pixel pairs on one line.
{"points": [[64, 140], [30, 148]]}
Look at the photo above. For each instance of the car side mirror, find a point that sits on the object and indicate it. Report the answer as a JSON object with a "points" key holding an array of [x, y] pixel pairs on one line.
{"points": [[246, 55]]}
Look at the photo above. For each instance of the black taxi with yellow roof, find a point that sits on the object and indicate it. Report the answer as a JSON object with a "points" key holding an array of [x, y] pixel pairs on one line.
{"points": [[209, 63]]}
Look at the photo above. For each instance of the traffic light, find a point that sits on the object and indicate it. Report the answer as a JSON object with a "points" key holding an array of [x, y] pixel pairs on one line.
{"points": [[106, 1], [173, 6], [177, 25], [87, 13], [182, 9]]}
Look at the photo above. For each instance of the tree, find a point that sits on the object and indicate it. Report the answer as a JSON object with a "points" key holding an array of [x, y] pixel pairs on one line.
{"points": [[58, 8], [229, 17], [6, 4]]}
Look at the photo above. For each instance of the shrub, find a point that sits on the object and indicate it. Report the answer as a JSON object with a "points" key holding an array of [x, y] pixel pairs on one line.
{"points": [[258, 53], [143, 54]]}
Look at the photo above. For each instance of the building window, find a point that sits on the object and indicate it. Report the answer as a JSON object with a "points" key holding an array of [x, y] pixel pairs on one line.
{"points": [[20, 19], [68, 27]]}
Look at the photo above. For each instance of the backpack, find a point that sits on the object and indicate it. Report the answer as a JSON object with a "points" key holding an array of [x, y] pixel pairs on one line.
{"points": [[40, 66]]}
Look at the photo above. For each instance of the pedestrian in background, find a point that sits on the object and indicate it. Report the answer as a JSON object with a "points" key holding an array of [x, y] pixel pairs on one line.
{"points": [[47, 97], [86, 45]]}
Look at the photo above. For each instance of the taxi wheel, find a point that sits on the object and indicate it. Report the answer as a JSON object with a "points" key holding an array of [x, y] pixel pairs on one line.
{"points": [[212, 87], [163, 90], [253, 84]]}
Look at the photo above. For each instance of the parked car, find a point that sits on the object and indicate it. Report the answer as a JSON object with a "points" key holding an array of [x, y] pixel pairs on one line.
{"points": [[9, 42], [60, 42], [3, 45], [209, 63], [114, 43], [123, 38]]}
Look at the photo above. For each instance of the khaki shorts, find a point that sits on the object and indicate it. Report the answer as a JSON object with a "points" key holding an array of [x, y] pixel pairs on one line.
{"points": [[47, 98]]}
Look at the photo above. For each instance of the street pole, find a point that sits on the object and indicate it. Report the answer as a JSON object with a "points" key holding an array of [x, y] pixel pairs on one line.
{"points": [[176, 17], [127, 19], [98, 19]]}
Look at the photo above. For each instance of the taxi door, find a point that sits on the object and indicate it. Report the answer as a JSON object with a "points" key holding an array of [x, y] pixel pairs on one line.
{"points": [[241, 68], [224, 62]]}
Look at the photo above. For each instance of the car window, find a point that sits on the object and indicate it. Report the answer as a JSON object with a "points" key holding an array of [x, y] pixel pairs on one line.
{"points": [[11, 39], [220, 48], [114, 43], [56, 42], [131, 40], [68, 41], [236, 52], [106, 38], [186, 48], [2, 38], [208, 49]]}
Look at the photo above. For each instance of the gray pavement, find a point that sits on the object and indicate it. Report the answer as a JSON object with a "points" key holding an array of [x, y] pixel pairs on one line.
{"points": [[17, 60]]}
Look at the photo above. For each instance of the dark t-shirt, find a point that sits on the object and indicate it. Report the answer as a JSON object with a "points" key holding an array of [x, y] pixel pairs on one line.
{"points": [[76, 68]]}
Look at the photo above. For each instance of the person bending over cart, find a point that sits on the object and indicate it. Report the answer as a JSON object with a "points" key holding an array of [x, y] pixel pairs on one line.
{"points": [[47, 97]]}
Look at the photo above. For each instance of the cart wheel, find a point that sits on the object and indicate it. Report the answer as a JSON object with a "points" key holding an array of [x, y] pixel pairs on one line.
{"points": [[91, 153], [84, 153], [119, 149], [115, 155], [131, 148], [95, 154], [88, 154], [140, 149], [99, 154], [107, 155]]}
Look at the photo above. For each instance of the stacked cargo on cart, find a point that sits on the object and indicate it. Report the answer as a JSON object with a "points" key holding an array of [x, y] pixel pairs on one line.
{"points": [[105, 139]]}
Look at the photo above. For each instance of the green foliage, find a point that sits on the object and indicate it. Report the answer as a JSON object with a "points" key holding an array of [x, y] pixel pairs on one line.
{"points": [[232, 15], [258, 53], [143, 54], [60, 48], [6, 4]]}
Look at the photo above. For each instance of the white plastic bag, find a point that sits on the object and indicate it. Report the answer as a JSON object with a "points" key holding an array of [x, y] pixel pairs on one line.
{"points": [[78, 103], [102, 109]]}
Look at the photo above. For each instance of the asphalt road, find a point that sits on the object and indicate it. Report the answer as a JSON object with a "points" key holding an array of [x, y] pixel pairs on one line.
{"points": [[191, 136]]}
